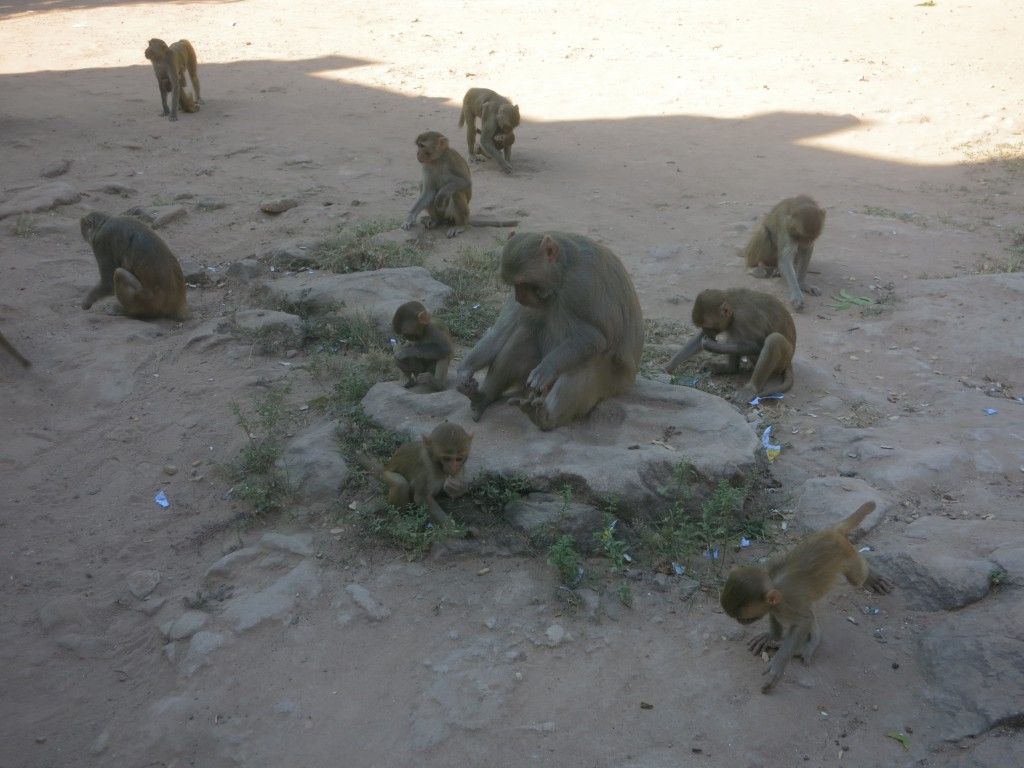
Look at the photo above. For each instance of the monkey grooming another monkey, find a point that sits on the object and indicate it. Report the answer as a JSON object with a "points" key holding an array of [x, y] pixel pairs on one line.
{"points": [[425, 357], [136, 265], [787, 586], [757, 325], [784, 242], [169, 65], [498, 117], [501, 140], [421, 469], [446, 189], [571, 334], [25, 363]]}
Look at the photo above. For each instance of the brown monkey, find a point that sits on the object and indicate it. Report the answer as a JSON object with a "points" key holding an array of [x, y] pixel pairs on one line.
{"points": [[14, 353], [188, 103], [446, 189], [169, 65], [425, 357], [498, 116], [136, 265], [787, 586], [758, 326], [421, 469], [570, 335], [784, 242]]}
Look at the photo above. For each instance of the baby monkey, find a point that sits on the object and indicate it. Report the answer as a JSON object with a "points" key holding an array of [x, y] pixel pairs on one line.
{"points": [[425, 357], [421, 469], [787, 586]]}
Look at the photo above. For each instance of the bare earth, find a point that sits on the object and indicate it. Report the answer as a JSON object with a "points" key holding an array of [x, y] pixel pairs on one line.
{"points": [[663, 129]]}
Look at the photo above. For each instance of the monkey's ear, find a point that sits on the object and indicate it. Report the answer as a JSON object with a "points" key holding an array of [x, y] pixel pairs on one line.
{"points": [[426, 439], [725, 310], [774, 597], [549, 248], [424, 317]]}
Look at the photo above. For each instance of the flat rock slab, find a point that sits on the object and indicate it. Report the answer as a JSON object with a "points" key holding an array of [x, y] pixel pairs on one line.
{"points": [[624, 453], [377, 293]]}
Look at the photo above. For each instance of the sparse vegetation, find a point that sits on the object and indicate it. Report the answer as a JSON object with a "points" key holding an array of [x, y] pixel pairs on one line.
{"points": [[22, 225], [567, 561], [477, 294], [258, 478], [356, 249]]}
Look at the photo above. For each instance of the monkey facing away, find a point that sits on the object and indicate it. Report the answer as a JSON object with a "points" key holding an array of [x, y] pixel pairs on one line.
{"points": [[571, 334], [757, 325], [25, 362], [136, 265], [428, 350], [498, 117], [446, 189], [787, 587], [169, 65], [784, 242], [421, 469]]}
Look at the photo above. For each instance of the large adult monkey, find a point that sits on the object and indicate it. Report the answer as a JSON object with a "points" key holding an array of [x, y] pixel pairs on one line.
{"points": [[784, 242], [169, 65], [446, 189], [571, 334], [787, 587], [136, 265], [757, 326], [498, 116]]}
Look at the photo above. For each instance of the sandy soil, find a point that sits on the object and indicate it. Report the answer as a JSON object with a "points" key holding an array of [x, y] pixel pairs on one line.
{"points": [[665, 130]]}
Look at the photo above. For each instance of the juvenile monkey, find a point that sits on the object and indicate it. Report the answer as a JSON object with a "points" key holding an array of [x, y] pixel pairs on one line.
{"points": [[425, 357], [136, 265], [421, 469], [784, 242], [446, 188], [787, 586], [169, 65], [498, 116], [14, 352], [501, 141], [757, 325]]}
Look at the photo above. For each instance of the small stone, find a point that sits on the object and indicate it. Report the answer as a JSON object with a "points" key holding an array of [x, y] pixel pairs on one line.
{"points": [[278, 205], [56, 168], [170, 469], [142, 583]]}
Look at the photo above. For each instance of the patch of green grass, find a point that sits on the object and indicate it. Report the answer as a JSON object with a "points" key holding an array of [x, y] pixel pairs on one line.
{"points": [[567, 561], [409, 529], [354, 249], [477, 294], [625, 594], [997, 575], [493, 492], [258, 478]]}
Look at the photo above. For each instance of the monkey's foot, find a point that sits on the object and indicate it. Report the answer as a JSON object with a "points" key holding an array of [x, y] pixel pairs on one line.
{"points": [[410, 383], [810, 290], [470, 387], [762, 643], [453, 231], [759, 272], [534, 406]]}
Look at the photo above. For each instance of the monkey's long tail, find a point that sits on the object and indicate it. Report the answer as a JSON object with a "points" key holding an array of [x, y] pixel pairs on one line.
{"points": [[851, 522], [493, 222], [369, 463]]}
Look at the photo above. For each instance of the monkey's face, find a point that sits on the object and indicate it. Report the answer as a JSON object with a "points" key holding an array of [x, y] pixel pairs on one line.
{"points": [[452, 464], [532, 296]]}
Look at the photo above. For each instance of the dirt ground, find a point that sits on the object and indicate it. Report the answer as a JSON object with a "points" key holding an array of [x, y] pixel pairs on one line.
{"points": [[665, 130]]}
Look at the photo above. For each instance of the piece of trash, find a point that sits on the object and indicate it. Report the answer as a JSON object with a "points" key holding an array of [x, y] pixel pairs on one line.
{"points": [[161, 499], [901, 737], [627, 557], [392, 342], [851, 619], [991, 411], [285, 363], [771, 450], [865, 549], [823, 713], [871, 611], [476, 306], [678, 569], [711, 554], [757, 400], [483, 571], [744, 542], [645, 705], [663, 444]]}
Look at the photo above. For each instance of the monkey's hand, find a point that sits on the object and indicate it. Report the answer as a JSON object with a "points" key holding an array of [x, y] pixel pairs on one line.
{"points": [[466, 385], [876, 582], [762, 643], [811, 290], [407, 224], [403, 352], [455, 486]]}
